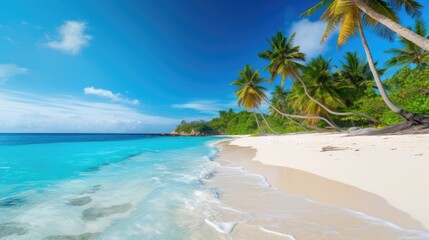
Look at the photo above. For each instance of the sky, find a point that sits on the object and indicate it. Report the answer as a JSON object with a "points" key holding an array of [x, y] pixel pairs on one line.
{"points": [[142, 66]]}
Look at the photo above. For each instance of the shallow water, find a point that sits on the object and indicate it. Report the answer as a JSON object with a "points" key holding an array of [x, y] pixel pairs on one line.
{"points": [[139, 187], [130, 186], [262, 212]]}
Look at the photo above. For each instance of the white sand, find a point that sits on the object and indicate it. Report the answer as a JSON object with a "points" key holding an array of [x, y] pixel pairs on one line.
{"points": [[394, 167]]}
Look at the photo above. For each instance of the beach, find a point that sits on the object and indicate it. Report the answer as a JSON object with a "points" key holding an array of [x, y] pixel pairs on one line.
{"points": [[382, 176]]}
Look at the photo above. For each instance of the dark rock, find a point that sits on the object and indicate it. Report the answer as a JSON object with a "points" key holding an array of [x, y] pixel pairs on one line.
{"points": [[92, 190], [85, 236], [80, 201], [7, 229], [94, 213]]}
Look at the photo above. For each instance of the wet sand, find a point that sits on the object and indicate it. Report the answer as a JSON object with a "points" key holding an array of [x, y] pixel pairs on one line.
{"points": [[318, 188], [394, 167], [252, 208]]}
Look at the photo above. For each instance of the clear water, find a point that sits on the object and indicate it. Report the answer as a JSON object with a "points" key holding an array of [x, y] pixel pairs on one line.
{"points": [[56, 186], [83, 186]]}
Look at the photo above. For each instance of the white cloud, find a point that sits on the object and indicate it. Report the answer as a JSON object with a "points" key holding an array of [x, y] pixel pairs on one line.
{"points": [[206, 106], [24, 22], [7, 71], [308, 36], [72, 37], [9, 39], [115, 97], [25, 112]]}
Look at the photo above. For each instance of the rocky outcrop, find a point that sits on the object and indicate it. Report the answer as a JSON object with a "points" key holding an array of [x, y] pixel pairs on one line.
{"points": [[192, 133]]}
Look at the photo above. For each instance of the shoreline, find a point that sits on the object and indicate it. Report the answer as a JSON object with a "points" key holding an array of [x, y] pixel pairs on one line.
{"points": [[329, 184]]}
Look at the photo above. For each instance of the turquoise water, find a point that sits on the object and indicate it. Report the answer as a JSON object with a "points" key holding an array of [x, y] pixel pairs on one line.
{"points": [[56, 186], [82, 186]]}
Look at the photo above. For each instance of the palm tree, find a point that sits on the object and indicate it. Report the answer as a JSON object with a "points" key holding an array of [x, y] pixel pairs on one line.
{"points": [[410, 53], [355, 76], [376, 11], [258, 123], [285, 59], [250, 94], [320, 84], [278, 99], [265, 120], [346, 15]]}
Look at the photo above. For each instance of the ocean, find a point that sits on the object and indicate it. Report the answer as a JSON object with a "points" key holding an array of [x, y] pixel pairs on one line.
{"points": [[119, 186], [58, 185]]}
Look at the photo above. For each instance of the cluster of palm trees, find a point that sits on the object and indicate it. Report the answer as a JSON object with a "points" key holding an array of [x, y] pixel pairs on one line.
{"points": [[318, 92]]}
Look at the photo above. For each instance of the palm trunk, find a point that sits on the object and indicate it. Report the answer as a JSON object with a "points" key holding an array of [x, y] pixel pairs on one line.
{"points": [[305, 127], [265, 120], [301, 116], [411, 117], [297, 123], [258, 123], [392, 25], [377, 79], [326, 108]]}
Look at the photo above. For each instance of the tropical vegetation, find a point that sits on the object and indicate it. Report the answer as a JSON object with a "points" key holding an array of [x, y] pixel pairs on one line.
{"points": [[327, 96], [350, 17], [410, 52], [235, 123]]}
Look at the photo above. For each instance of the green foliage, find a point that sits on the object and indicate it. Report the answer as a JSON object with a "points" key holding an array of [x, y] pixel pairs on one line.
{"points": [[278, 100], [409, 88], [371, 104], [409, 53], [321, 85], [228, 122], [389, 118], [284, 57], [249, 90], [354, 75], [197, 126], [232, 123], [281, 125]]}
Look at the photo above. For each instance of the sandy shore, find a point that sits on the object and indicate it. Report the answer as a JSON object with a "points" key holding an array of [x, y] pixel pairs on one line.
{"points": [[383, 176]]}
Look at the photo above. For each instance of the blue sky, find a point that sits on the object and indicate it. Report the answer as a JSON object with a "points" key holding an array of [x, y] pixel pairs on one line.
{"points": [[140, 66]]}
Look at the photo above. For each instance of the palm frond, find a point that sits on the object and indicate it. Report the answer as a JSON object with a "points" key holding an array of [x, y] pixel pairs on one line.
{"points": [[348, 26], [316, 7], [412, 7]]}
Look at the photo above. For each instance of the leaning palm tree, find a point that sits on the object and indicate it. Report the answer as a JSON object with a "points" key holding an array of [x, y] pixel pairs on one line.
{"points": [[285, 60], [278, 100], [410, 53], [347, 16], [378, 11], [250, 94], [265, 120], [375, 10], [258, 123], [321, 84]]}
